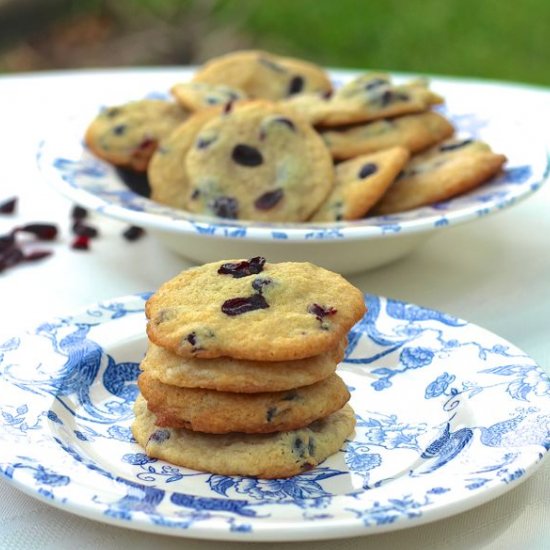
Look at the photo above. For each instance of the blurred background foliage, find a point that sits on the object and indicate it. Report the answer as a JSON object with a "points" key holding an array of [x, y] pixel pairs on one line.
{"points": [[497, 39]]}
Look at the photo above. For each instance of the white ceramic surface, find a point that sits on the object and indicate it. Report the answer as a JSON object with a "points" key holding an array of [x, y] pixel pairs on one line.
{"points": [[449, 416], [346, 247]]}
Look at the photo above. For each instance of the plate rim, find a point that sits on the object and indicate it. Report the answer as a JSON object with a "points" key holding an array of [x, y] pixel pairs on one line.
{"points": [[293, 531]]}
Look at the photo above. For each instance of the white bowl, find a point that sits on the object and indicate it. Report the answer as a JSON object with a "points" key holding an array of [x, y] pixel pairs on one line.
{"points": [[346, 247]]}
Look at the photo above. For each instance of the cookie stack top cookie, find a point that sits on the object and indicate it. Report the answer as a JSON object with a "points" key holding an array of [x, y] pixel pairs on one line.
{"points": [[254, 310]]}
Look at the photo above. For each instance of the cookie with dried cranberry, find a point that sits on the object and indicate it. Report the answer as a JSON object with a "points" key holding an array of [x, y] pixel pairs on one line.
{"points": [[365, 98], [195, 96], [360, 183], [234, 375], [127, 135], [258, 161], [263, 75], [166, 171], [449, 169], [254, 310], [415, 132], [220, 412], [267, 456]]}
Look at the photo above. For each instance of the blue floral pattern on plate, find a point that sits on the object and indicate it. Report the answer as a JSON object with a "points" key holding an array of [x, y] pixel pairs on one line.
{"points": [[448, 416]]}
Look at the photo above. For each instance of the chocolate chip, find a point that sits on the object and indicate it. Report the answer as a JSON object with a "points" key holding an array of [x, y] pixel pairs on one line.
{"points": [[192, 338], [238, 306], [367, 170], [296, 85], [225, 207], [246, 155], [269, 200], [290, 396], [453, 146], [80, 228]]}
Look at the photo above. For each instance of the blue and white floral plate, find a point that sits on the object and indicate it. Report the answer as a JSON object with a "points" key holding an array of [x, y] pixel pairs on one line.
{"points": [[448, 416], [345, 247]]}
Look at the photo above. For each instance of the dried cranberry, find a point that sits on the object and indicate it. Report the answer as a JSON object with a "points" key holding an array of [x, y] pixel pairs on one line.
{"points": [[243, 269], [246, 155], [147, 143], [43, 231], [133, 233], [8, 207], [81, 242], [78, 213], [7, 241], [296, 85], [269, 200], [321, 311], [10, 257], [160, 436], [37, 255], [225, 207], [238, 306], [85, 230], [367, 170]]}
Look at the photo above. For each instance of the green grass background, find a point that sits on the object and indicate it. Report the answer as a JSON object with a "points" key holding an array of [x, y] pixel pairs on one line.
{"points": [[497, 39]]}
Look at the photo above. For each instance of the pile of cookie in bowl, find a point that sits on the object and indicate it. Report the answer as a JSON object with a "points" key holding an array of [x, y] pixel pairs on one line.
{"points": [[256, 136]]}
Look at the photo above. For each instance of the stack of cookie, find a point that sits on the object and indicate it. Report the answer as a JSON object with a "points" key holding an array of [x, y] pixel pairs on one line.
{"points": [[239, 376]]}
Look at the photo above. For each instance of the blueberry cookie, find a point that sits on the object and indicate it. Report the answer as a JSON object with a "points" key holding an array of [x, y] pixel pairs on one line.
{"points": [[195, 96], [452, 168], [254, 310], [263, 75], [266, 456], [360, 183], [258, 162], [415, 132], [220, 412], [166, 171], [367, 97], [127, 135], [234, 375]]}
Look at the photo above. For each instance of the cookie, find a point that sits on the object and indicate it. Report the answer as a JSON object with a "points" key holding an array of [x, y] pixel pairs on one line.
{"points": [[367, 97], [223, 412], [127, 135], [166, 171], [360, 182], [267, 456], [254, 310], [450, 169], [234, 375], [415, 132], [264, 75], [195, 96], [258, 162]]}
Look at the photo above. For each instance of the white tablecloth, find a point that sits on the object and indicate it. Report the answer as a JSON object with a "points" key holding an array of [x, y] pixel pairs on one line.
{"points": [[494, 272]]}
